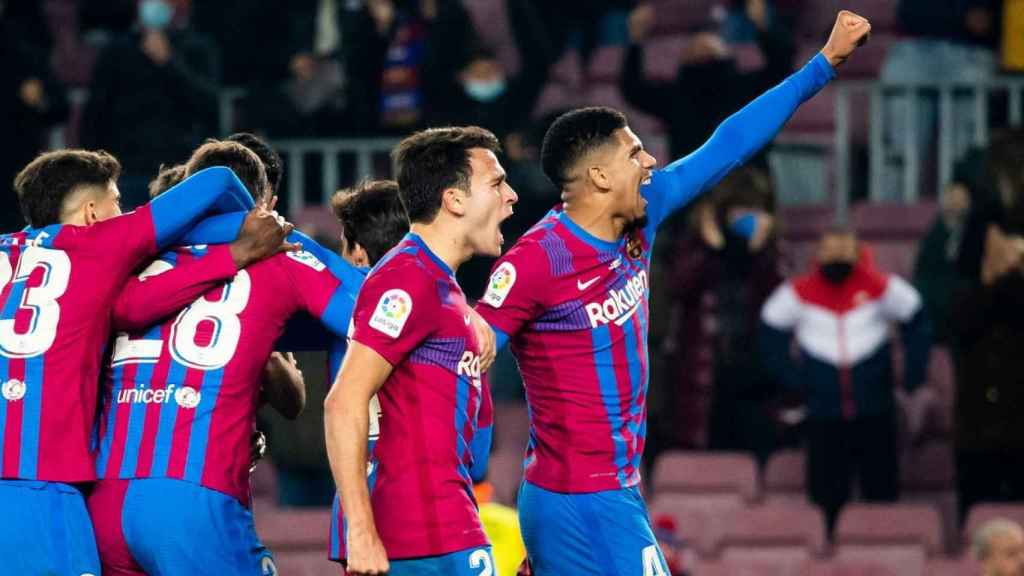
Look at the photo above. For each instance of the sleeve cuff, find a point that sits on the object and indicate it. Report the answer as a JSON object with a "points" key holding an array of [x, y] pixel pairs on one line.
{"points": [[822, 69]]}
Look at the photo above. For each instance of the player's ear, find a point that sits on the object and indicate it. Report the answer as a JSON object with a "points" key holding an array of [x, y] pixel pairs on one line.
{"points": [[599, 178], [359, 256], [89, 212], [454, 201]]}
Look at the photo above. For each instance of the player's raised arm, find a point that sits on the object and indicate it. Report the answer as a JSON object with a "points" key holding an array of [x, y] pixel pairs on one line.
{"points": [[347, 424], [747, 131], [215, 189]]}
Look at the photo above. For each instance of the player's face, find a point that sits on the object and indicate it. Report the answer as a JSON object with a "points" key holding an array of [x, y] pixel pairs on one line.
{"points": [[488, 204], [109, 203], [631, 168]]}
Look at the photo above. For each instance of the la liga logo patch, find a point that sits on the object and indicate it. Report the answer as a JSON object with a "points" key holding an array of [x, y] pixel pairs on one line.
{"points": [[502, 280], [392, 311]]}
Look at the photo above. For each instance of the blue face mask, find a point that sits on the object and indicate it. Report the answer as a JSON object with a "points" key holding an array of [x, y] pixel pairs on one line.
{"points": [[745, 225], [485, 91], [155, 14]]}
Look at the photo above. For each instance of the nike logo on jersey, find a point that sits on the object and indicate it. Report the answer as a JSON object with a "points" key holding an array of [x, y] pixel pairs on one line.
{"points": [[468, 319], [584, 285]]}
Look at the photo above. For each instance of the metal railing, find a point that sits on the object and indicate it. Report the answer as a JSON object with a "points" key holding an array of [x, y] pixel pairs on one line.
{"points": [[365, 151]]}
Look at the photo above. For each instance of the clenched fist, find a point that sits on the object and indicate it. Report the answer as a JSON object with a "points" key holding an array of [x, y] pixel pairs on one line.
{"points": [[849, 32]]}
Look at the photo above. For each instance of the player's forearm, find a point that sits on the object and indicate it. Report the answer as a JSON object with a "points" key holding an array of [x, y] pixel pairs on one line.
{"points": [[143, 303], [284, 385], [215, 189], [346, 419], [743, 134]]}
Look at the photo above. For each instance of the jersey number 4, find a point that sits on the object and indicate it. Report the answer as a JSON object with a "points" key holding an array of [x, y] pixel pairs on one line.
{"points": [[40, 300]]}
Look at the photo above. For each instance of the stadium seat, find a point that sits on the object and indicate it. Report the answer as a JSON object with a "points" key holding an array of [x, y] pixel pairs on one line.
{"points": [[264, 480], [952, 567], [898, 536], [695, 524], [929, 468], [868, 61], [556, 97], [785, 537], [707, 475], [854, 568], [941, 379], [294, 529], [680, 17], [646, 127], [981, 513], [662, 55], [305, 563], [606, 64], [748, 56], [785, 478], [738, 567]]}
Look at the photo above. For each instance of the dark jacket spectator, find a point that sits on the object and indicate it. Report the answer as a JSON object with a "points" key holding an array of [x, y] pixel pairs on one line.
{"points": [[31, 102], [153, 99], [840, 315], [724, 268], [965, 21], [708, 86], [936, 274], [988, 326], [472, 87]]}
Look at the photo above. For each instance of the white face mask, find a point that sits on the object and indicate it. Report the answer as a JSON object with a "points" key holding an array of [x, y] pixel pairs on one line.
{"points": [[155, 14], [485, 90]]}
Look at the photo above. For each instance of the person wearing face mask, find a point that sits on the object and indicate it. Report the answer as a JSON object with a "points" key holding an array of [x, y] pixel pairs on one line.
{"points": [[935, 268], [987, 328], [474, 87], [686, 105], [840, 314], [153, 97], [716, 394]]}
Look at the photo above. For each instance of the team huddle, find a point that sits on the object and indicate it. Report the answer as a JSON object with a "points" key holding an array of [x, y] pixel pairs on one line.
{"points": [[136, 348]]}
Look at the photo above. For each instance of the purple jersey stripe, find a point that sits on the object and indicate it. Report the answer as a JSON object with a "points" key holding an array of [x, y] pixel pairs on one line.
{"points": [[165, 429], [442, 352], [103, 458], [31, 417], [565, 317], [559, 256], [604, 363], [136, 420], [200, 438], [3, 407]]}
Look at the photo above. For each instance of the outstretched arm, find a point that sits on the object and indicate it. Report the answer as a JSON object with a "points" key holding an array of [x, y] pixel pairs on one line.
{"points": [[215, 189], [747, 131]]}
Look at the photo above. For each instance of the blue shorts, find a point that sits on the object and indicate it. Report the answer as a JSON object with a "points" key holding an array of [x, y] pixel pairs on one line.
{"points": [[45, 530], [173, 527], [470, 562], [596, 534]]}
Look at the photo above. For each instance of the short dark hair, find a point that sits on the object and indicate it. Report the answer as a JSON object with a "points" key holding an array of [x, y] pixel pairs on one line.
{"points": [[575, 134], [372, 216], [270, 158], [433, 160], [244, 162], [46, 182], [168, 177]]}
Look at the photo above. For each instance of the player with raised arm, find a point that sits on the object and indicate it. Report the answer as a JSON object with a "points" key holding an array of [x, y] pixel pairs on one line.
{"points": [[58, 282], [411, 380], [572, 298]]}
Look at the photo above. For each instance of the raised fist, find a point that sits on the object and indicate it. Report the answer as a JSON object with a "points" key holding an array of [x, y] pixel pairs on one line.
{"points": [[849, 32]]}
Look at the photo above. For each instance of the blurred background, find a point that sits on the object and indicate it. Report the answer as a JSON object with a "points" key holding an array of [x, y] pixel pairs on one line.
{"points": [[910, 165]]}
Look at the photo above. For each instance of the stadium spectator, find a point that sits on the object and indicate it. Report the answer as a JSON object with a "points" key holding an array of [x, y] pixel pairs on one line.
{"points": [[31, 101], [998, 545], [840, 314], [153, 97], [936, 274], [469, 85], [686, 105], [724, 269], [987, 324], [952, 40]]}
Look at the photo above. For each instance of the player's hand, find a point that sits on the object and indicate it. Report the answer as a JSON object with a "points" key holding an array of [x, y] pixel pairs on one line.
{"points": [[257, 449], [263, 234], [849, 32], [641, 22], [487, 340], [366, 554]]}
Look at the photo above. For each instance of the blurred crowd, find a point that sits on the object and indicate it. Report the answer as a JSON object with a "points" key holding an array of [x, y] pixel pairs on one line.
{"points": [[752, 350]]}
